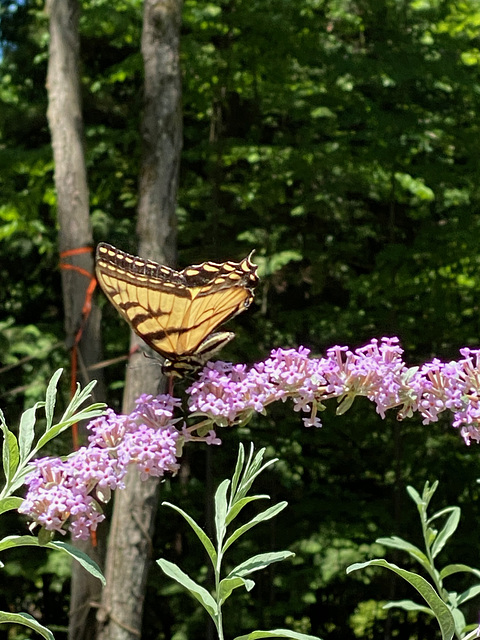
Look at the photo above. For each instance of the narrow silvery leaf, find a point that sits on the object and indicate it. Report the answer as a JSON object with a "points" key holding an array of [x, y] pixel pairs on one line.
{"points": [[87, 414], [31, 541], [450, 569], [345, 403], [82, 558], [428, 491], [460, 622], [19, 478], [276, 633], [51, 397], [79, 398], [10, 503], [261, 517], [468, 594], [258, 562], [238, 506], [227, 585], [26, 620], [415, 496], [26, 431], [221, 510], [254, 466], [93, 411], [242, 487], [10, 542], [422, 501], [249, 482], [448, 530], [408, 605], [10, 454], [195, 590], [424, 588], [430, 536], [238, 468], [200, 533], [394, 542]]}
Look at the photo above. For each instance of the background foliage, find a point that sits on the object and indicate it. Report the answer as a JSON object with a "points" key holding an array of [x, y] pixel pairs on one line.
{"points": [[340, 139]]}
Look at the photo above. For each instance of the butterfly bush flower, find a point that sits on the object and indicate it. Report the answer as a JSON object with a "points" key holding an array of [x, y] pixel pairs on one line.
{"points": [[66, 494], [455, 386], [153, 451], [229, 394], [56, 494]]}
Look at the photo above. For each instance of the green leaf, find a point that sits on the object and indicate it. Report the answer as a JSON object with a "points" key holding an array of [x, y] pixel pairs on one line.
{"points": [[82, 558], [19, 478], [238, 506], [450, 569], [276, 633], [468, 594], [398, 543], [26, 620], [195, 590], [345, 403], [44, 536], [51, 397], [428, 492], [93, 411], [221, 511], [430, 536], [26, 431], [31, 541], [424, 588], [261, 517], [253, 468], [200, 533], [413, 493], [238, 467], [448, 530], [259, 562], [11, 454], [424, 499], [460, 623], [408, 605], [18, 541], [79, 397], [10, 503], [227, 585]]}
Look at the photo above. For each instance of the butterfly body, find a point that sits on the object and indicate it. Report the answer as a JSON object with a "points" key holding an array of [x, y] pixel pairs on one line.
{"points": [[176, 312]]}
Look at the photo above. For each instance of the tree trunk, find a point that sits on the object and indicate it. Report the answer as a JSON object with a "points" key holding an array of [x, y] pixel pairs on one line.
{"points": [[82, 317], [129, 549]]}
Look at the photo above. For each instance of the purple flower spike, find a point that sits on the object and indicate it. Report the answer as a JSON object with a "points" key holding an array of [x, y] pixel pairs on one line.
{"points": [[65, 495]]}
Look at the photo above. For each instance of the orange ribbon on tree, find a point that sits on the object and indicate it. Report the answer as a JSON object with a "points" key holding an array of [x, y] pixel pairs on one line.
{"points": [[86, 308]]}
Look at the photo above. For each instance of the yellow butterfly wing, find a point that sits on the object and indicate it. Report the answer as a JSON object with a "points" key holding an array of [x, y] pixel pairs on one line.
{"points": [[176, 312]]}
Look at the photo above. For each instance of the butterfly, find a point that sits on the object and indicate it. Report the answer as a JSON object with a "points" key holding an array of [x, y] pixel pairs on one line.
{"points": [[176, 312]]}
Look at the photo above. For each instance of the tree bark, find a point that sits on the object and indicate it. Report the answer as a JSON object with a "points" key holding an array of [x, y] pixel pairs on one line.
{"points": [[82, 317], [129, 549]]}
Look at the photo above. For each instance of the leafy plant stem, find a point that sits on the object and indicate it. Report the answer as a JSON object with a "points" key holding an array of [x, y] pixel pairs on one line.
{"points": [[217, 568], [226, 510]]}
